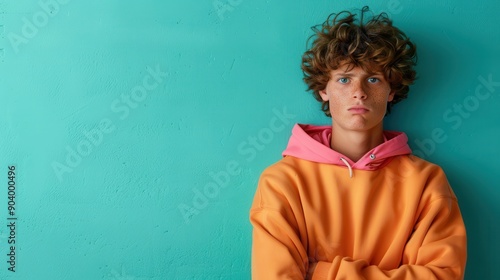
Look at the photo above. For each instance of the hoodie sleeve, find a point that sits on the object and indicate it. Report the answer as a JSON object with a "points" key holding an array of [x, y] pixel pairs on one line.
{"points": [[278, 249], [435, 250]]}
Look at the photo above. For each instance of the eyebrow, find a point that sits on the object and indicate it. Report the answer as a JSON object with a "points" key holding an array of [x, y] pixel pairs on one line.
{"points": [[348, 74]]}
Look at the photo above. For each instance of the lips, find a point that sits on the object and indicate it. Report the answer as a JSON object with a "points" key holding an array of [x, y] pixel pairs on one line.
{"points": [[358, 109]]}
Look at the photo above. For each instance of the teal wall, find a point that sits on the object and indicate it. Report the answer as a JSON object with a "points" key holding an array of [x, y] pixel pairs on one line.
{"points": [[138, 129]]}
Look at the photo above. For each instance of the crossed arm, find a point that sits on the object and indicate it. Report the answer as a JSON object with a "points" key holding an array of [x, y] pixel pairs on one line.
{"points": [[435, 248]]}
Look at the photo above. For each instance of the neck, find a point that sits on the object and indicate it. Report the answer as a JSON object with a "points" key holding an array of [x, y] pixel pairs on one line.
{"points": [[355, 144]]}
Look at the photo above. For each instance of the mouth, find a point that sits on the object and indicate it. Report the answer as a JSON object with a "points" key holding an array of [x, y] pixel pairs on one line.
{"points": [[358, 109]]}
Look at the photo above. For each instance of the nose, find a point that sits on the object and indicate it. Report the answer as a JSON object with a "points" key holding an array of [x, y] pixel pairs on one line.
{"points": [[359, 90]]}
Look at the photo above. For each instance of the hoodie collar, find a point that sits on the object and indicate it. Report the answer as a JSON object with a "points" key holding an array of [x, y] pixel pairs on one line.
{"points": [[311, 142]]}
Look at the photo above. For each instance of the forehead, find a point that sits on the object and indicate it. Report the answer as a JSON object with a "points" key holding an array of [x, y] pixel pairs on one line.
{"points": [[354, 69]]}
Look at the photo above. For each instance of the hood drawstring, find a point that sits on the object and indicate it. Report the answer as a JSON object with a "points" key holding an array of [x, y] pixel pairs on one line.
{"points": [[348, 166]]}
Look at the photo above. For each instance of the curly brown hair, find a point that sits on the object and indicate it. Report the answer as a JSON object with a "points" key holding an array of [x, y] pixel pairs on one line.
{"points": [[375, 43]]}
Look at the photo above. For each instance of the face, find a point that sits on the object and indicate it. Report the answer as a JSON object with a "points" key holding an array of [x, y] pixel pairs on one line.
{"points": [[358, 99]]}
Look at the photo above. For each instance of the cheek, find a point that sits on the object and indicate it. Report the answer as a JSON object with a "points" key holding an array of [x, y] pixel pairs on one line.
{"points": [[336, 100], [337, 105], [381, 103], [384, 96]]}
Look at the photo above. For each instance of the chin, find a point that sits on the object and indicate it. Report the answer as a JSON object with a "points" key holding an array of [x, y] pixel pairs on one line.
{"points": [[361, 127]]}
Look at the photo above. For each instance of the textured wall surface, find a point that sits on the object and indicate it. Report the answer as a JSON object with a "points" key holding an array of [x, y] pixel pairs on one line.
{"points": [[138, 129]]}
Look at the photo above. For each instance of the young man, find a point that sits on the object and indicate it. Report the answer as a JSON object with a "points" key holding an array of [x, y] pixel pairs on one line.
{"points": [[350, 201]]}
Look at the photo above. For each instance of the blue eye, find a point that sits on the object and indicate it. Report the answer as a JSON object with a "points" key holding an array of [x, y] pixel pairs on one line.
{"points": [[373, 80], [343, 80]]}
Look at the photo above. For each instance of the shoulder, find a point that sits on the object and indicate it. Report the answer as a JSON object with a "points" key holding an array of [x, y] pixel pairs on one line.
{"points": [[419, 164], [427, 175], [281, 171], [289, 169], [281, 179], [284, 165]]}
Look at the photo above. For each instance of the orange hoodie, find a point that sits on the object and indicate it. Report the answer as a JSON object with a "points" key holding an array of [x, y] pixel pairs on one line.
{"points": [[390, 215]]}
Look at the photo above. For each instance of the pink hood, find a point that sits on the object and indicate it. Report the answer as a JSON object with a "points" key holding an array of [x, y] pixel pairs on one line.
{"points": [[312, 143]]}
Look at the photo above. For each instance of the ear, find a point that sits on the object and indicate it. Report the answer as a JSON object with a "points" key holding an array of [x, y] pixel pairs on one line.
{"points": [[324, 95], [391, 96]]}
